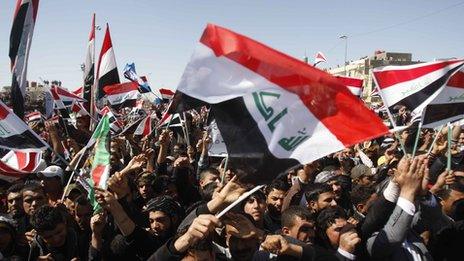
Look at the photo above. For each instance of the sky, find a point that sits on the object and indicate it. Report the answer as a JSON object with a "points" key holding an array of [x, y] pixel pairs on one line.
{"points": [[159, 36]]}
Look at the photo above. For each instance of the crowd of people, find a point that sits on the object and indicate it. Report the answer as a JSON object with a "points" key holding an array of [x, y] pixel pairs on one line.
{"points": [[367, 202]]}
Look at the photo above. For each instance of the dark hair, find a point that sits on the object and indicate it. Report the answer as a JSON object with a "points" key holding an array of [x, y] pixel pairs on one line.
{"points": [[328, 216], [277, 185], [208, 190], [361, 194], [15, 188], [160, 184], [458, 184], [314, 190], [82, 201], [457, 210], [289, 215], [33, 186], [209, 171], [46, 218], [165, 204], [258, 195], [145, 180], [325, 219]]}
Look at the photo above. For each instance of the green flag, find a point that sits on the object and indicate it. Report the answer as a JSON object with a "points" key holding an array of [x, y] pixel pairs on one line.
{"points": [[101, 159]]}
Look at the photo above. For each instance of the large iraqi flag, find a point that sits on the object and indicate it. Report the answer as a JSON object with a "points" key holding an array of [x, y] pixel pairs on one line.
{"points": [[15, 134], [448, 106], [272, 110]]}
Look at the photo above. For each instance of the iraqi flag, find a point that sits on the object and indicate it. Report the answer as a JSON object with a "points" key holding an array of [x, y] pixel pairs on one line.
{"points": [[67, 97], [116, 125], [15, 134], [144, 129], [58, 103], [448, 106], [122, 94], [20, 44], [89, 67], [79, 109], [79, 91], [414, 86], [34, 116], [18, 164], [354, 84], [272, 110], [166, 94], [320, 58], [170, 120], [107, 71]]}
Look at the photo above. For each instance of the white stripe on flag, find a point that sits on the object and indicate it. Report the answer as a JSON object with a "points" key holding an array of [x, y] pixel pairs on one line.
{"points": [[107, 63]]}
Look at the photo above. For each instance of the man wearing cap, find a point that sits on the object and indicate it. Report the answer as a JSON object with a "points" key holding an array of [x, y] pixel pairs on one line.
{"points": [[52, 181], [362, 175]]}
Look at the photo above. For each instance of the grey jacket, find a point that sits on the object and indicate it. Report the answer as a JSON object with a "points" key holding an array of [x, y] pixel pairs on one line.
{"points": [[392, 242]]}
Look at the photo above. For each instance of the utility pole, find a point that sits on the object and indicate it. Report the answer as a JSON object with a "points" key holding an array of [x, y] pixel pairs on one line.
{"points": [[345, 37]]}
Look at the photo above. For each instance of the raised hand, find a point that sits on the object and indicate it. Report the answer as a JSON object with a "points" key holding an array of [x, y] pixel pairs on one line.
{"points": [[200, 228], [181, 162], [349, 240], [410, 175], [97, 223], [106, 199], [240, 226], [119, 185], [278, 245]]}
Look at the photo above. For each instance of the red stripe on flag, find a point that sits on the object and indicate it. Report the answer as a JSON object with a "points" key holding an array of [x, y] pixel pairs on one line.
{"points": [[389, 78], [352, 82], [32, 163], [107, 44], [3, 112], [457, 80], [54, 92], [92, 30], [147, 127], [22, 159], [97, 173], [64, 92], [328, 100], [121, 88]]}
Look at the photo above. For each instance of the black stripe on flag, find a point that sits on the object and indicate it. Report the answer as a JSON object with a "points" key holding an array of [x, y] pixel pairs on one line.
{"points": [[88, 82], [17, 99], [245, 141], [17, 31], [415, 100], [25, 140], [182, 102], [111, 77], [438, 112]]}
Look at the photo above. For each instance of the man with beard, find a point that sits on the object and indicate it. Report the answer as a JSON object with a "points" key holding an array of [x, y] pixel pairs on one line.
{"points": [[275, 194], [164, 214], [15, 206]]}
